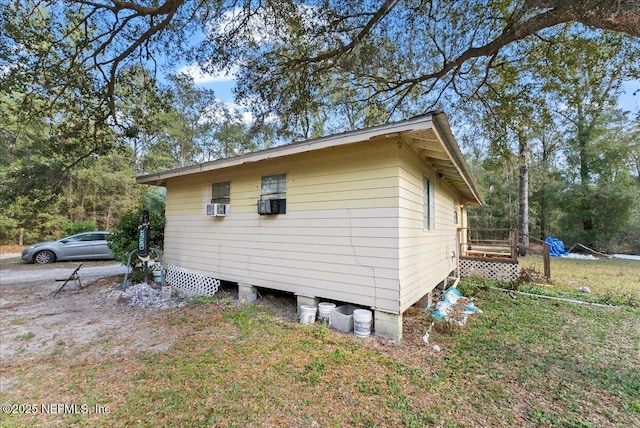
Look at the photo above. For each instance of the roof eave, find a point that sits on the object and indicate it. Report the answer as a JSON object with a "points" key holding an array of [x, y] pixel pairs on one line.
{"points": [[413, 124], [434, 120], [441, 125]]}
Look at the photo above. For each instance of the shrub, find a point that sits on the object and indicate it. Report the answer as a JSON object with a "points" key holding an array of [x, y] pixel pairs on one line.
{"points": [[79, 226], [124, 237]]}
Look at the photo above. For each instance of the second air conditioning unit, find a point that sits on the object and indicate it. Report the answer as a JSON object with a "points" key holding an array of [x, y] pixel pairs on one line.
{"points": [[217, 210], [272, 206]]}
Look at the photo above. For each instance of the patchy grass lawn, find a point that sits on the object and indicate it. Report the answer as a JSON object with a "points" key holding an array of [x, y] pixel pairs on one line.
{"points": [[523, 362], [613, 281]]}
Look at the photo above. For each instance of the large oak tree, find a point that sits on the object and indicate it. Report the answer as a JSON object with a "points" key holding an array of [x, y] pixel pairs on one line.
{"points": [[317, 65], [392, 51]]}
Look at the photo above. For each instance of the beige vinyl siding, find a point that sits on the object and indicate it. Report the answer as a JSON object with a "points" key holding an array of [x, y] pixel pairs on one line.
{"points": [[426, 256], [358, 176], [338, 239]]}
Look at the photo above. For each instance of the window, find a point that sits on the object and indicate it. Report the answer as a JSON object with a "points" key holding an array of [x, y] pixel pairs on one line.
{"points": [[221, 193], [273, 194], [274, 187], [95, 237], [455, 213], [429, 204]]}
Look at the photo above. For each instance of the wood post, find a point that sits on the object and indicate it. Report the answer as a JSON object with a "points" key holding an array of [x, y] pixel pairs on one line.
{"points": [[546, 258], [513, 238]]}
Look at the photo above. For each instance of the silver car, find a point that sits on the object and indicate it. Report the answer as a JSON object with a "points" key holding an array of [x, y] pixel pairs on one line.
{"points": [[83, 246]]}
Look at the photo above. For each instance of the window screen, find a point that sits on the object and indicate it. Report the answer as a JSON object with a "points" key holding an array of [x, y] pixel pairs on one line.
{"points": [[221, 193]]}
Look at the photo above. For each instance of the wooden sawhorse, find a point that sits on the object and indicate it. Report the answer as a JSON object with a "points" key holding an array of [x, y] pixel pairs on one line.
{"points": [[73, 277]]}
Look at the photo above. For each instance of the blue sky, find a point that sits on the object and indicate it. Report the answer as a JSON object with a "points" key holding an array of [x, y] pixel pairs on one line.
{"points": [[629, 101], [221, 84]]}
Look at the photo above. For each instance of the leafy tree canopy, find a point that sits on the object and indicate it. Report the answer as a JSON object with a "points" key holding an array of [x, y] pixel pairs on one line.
{"points": [[294, 57], [86, 85]]}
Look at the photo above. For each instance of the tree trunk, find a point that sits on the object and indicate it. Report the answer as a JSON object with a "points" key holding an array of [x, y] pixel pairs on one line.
{"points": [[583, 136], [523, 196], [543, 215]]}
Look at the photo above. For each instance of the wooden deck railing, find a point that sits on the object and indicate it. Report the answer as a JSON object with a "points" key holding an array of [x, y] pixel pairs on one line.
{"points": [[543, 249], [488, 242], [501, 243]]}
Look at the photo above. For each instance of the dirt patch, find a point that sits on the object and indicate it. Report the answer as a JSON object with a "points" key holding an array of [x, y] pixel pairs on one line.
{"points": [[13, 249], [88, 324], [82, 323]]}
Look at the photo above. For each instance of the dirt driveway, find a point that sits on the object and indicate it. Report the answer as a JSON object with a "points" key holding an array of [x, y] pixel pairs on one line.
{"points": [[77, 322]]}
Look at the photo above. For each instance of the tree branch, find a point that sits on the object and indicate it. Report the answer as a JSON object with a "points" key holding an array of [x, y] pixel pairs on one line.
{"points": [[383, 11]]}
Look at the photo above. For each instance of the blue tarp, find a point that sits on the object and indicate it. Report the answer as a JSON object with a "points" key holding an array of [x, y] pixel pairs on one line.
{"points": [[556, 247], [448, 301]]}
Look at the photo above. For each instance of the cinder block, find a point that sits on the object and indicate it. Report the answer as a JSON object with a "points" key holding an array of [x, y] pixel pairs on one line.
{"points": [[307, 301], [165, 292], [426, 300], [388, 325]]}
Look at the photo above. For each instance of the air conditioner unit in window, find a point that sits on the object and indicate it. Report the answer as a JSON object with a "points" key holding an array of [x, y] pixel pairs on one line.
{"points": [[217, 210], [272, 206], [264, 207]]}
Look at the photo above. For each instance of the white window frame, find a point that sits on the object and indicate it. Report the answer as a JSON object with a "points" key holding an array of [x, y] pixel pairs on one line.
{"points": [[273, 194]]}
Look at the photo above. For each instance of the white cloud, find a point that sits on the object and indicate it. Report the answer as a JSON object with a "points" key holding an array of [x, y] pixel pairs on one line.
{"points": [[199, 77], [247, 116]]}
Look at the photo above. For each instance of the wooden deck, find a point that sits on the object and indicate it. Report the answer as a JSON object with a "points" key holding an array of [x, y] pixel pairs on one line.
{"points": [[487, 254], [498, 245], [488, 243]]}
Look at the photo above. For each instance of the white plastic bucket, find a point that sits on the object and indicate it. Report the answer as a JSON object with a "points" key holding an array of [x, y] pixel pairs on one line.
{"points": [[324, 312], [362, 319], [157, 275], [307, 314]]}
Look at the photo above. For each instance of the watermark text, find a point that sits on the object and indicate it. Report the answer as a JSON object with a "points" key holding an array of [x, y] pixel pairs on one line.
{"points": [[54, 409]]}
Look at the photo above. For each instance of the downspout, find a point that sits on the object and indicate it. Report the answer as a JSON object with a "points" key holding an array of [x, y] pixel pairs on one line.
{"points": [[455, 279]]}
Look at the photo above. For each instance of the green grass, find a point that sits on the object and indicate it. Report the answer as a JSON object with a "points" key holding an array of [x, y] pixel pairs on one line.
{"points": [[27, 336], [612, 281], [525, 362]]}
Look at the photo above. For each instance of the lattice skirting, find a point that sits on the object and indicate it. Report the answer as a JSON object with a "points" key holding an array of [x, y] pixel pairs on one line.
{"points": [[191, 283], [504, 271]]}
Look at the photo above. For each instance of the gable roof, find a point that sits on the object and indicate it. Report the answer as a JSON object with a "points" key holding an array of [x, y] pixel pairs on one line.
{"points": [[429, 135]]}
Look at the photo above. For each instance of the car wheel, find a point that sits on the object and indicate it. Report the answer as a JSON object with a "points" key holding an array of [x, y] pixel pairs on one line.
{"points": [[44, 257]]}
